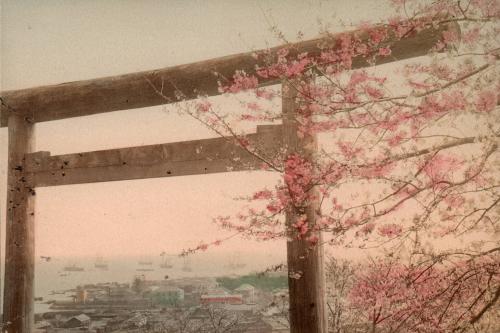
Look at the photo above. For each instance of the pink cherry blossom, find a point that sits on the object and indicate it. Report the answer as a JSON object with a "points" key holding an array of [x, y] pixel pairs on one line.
{"points": [[405, 154], [241, 82], [441, 166], [390, 230], [264, 194], [384, 51], [203, 106], [486, 101]]}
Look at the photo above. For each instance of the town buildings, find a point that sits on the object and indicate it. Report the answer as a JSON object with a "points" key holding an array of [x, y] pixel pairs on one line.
{"points": [[185, 305]]}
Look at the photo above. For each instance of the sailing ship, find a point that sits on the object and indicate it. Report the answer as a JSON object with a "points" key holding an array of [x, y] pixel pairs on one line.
{"points": [[186, 267], [165, 263], [101, 264], [144, 269], [73, 268]]}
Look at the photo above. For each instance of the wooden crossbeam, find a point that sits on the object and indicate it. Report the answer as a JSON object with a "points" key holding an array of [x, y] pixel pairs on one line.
{"points": [[81, 98], [153, 161]]}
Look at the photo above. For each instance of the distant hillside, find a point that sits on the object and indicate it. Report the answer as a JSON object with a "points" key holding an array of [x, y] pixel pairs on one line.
{"points": [[267, 283]]}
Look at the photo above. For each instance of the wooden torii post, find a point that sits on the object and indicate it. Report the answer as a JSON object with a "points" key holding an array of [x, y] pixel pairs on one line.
{"points": [[21, 109]]}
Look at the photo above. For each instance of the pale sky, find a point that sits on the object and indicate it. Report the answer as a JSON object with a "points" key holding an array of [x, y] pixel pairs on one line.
{"points": [[49, 42]]}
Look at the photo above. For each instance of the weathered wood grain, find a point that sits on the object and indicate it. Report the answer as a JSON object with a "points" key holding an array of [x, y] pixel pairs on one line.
{"points": [[305, 262], [153, 161], [130, 91], [18, 302]]}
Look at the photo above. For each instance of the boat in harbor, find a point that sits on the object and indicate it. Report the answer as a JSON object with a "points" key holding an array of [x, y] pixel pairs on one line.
{"points": [[186, 267], [101, 264], [165, 263], [73, 268], [144, 269]]}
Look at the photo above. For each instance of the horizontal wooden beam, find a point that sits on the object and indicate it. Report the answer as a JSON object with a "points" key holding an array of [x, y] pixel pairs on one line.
{"points": [[129, 91], [153, 161]]}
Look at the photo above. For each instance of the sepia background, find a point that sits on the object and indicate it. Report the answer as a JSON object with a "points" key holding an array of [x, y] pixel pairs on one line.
{"points": [[52, 42]]}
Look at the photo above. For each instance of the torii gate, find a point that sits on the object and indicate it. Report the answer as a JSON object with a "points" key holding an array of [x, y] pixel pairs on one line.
{"points": [[22, 109]]}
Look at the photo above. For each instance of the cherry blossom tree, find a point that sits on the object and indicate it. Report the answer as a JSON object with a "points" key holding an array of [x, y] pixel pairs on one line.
{"points": [[431, 296], [343, 316], [407, 161]]}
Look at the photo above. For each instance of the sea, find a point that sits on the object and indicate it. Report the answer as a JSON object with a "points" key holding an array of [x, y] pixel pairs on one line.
{"points": [[52, 282]]}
